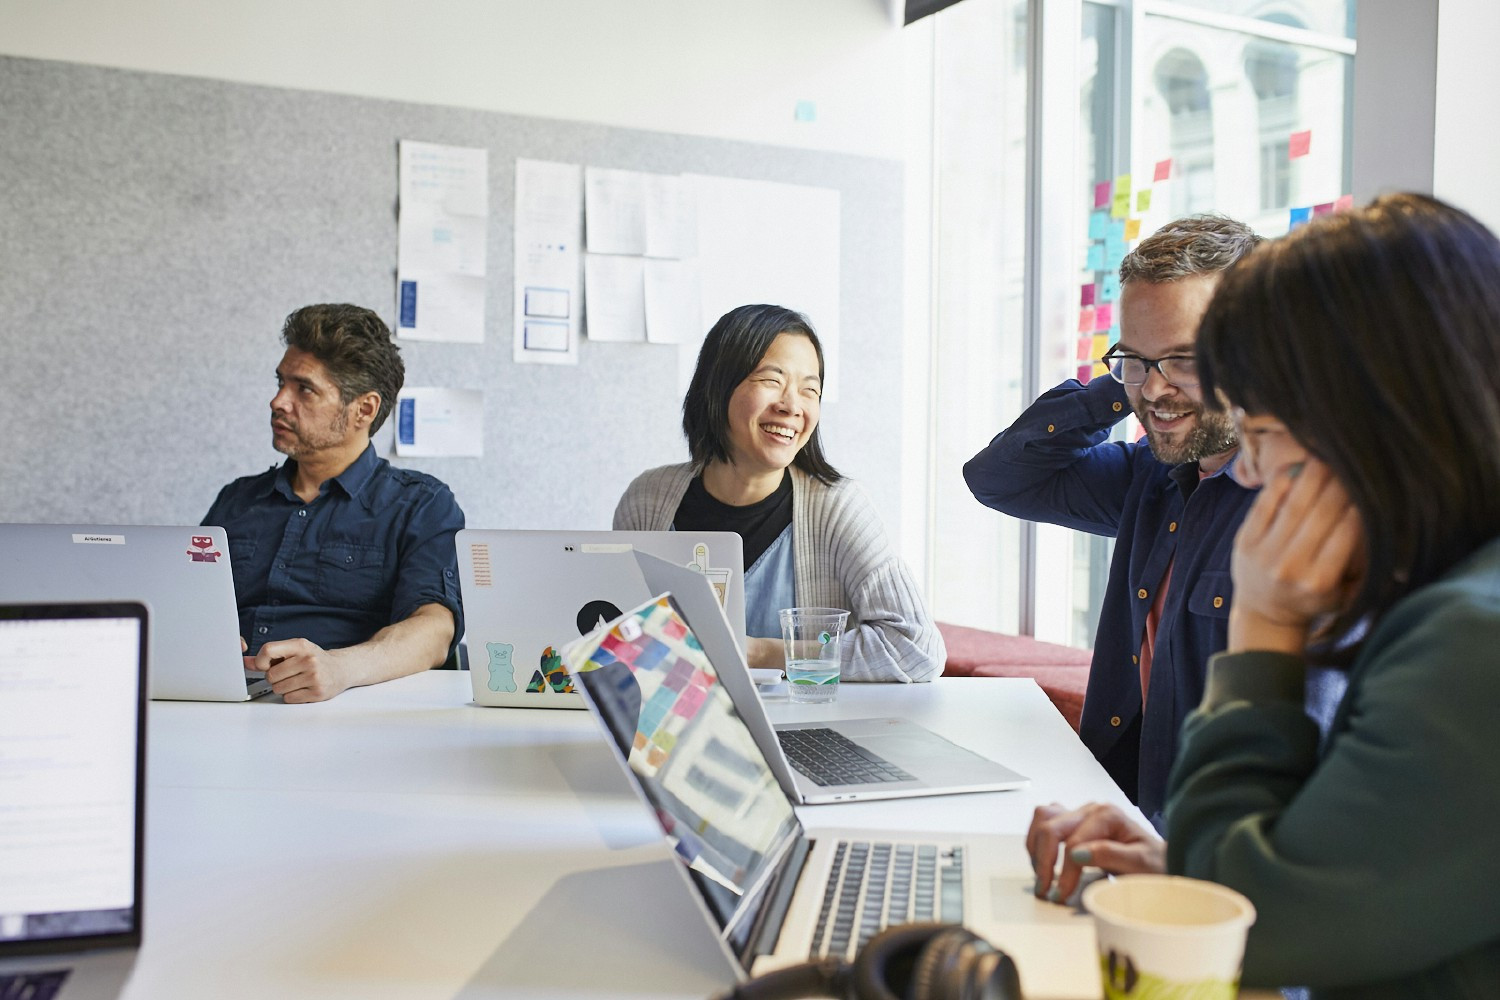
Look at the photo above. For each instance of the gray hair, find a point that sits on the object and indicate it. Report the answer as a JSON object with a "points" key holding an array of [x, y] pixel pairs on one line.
{"points": [[1195, 244]]}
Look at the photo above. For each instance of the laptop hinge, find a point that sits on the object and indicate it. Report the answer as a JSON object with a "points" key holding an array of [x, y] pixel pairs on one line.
{"points": [[767, 927]]}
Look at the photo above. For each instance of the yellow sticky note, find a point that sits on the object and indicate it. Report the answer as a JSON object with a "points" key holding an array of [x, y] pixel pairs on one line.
{"points": [[1101, 344], [1143, 201], [1121, 205], [1122, 183], [1133, 229]]}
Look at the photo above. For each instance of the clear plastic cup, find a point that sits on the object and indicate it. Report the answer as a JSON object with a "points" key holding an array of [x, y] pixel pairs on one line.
{"points": [[813, 638]]}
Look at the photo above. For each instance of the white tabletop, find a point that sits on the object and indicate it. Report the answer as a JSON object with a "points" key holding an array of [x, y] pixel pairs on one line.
{"points": [[401, 842]]}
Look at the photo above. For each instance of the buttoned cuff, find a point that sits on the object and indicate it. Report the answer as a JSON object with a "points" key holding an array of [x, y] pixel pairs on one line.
{"points": [[1255, 676]]}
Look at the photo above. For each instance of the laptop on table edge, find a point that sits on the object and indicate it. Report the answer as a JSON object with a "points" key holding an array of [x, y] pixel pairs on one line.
{"points": [[74, 682], [773, 894]]}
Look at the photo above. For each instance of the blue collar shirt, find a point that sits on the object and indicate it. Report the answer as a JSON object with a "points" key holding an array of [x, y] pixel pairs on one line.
{"points": [[1055, 464], [376, 544]]}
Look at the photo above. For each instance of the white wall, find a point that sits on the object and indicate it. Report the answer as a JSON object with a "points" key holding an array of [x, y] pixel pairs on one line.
{"points": [[732, 69], [1466, 141]]}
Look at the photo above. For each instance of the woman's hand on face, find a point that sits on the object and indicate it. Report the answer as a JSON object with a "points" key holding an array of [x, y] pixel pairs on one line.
{"points": [[1095, 834], [1298, 556]]}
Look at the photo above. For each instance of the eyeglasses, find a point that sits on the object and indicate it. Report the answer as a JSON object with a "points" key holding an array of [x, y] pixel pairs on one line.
{"points": [[1178, 369]]}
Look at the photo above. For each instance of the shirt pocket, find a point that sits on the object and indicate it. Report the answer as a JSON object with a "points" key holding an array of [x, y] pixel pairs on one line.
{"points": [[242, 550], [1211, 595], [352, 576]]}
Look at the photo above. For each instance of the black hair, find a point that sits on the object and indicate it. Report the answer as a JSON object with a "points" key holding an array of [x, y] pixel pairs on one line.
{"points": [[1374, 336], [731, 351], [355, 345]]}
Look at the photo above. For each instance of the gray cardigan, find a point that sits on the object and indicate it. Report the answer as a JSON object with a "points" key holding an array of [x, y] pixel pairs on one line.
{"points": [[843, 560]]}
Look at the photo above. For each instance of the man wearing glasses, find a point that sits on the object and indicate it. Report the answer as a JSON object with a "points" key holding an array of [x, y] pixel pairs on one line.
{"points": [[1168, 501]]}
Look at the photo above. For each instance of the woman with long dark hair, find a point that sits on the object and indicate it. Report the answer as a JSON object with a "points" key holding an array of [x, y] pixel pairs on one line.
{"points": [[811, 537], [1362, 357]]}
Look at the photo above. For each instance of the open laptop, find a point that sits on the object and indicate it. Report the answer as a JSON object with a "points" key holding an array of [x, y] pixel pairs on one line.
{"points": [[528, 593], [835, 760], [775, 894], [72, 786], [181, 572]]}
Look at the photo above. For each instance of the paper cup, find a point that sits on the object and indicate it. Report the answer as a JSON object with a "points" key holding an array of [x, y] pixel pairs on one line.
{"points": [[1163, 936]]}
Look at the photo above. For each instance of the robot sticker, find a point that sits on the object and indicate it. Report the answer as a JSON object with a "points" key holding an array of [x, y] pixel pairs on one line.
{"points": [[203, 549], [502, 672]]}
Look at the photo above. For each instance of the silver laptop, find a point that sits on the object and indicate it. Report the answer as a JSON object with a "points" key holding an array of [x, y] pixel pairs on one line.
{"points": [[528, 593], [834, 760], [775, 894], [181, 572], [72, 783]]}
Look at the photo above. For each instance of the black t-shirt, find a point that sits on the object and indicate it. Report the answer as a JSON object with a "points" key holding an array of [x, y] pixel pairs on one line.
{"points": [[759, 524]]}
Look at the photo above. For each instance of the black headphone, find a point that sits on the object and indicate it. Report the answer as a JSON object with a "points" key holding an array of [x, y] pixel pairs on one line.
{"points": [[908, 962]]}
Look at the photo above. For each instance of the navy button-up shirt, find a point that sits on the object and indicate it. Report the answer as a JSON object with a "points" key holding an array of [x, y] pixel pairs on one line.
{"points": [[1054, 464], [371, 548]]}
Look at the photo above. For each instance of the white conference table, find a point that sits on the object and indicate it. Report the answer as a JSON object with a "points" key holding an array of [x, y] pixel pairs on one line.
{"points": [[400, 842]]}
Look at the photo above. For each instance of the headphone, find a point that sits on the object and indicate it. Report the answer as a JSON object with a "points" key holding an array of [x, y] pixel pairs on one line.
{"points": [[907, 962]]}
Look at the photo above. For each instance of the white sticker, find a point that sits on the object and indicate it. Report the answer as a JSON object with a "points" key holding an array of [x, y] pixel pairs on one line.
{"points": [[98, 539], [606, 547]]}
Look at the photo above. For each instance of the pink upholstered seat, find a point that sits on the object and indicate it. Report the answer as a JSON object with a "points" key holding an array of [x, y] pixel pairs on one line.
{"points": [[1061, 671]]}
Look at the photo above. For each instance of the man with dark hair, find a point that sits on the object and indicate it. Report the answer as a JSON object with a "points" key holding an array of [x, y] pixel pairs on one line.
{"points": [[344, 566], [1169, 502]]}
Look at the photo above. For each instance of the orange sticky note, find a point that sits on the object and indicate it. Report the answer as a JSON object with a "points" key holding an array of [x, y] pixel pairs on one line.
{"points": [[1085, 348], [1133, 229], [1344, 203], [1163, 169], [1300, 144], [1086, 320]]}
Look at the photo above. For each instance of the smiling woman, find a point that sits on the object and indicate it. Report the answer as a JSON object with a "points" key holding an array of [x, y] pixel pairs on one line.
{"points": [[811, 536]]}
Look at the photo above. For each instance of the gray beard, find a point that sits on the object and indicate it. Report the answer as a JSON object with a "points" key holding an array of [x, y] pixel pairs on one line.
{"points": [[1213, 434]]}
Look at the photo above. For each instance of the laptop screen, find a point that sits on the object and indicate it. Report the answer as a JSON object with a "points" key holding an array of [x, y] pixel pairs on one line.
{"points": [[691, 754], [72, 702]]}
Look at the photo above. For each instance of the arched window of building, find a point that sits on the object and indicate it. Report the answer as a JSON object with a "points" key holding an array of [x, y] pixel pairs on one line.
{"points": [[1182, 81]]}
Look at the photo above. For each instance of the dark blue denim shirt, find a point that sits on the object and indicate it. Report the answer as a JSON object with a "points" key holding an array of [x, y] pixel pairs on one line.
{"points": [[375, 545], [1054, 464]]}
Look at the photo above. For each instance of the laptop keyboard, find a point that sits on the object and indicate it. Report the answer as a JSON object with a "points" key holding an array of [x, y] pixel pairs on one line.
{"points": [[32, 985], [831, 758], [873, 885]]}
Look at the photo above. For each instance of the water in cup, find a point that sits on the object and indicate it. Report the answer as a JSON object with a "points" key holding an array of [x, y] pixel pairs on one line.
{"points": [[813, 637]]}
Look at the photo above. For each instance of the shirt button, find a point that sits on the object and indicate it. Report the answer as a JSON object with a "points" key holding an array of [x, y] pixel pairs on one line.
{"points": [[263, 630], [1218, 602], [281, 565], [1114, 720], [348, 559], [301, 513], [1117, 406], [1135, 659], [1051, 428], [1141, 593], [1172, 526]]}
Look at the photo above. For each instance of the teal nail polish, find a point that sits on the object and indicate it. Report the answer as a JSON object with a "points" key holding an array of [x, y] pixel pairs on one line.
{"points": [[1293, 471], [1036, 890], [1081, 856], [1053, 896]]}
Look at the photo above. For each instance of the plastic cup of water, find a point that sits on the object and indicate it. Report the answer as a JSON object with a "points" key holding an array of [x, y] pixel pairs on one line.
{"points": [[813, 638]]}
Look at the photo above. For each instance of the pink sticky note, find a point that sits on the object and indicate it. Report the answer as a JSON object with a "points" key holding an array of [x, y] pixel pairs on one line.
{"points": [[1323, 209], [1085, 372], [1086, 297], [1299, 144], [1163, 169], [1086, 319], [1104, 316], [1344, 203], [1101, 194], [1085, 348]]}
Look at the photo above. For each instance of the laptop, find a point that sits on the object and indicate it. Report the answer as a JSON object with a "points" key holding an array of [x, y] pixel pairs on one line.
{"points": [[72, 781], [181, 572], [527, 594], [774, 894], [836, 760]]}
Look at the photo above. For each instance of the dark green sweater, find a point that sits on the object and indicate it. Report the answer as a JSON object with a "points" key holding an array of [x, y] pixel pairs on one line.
{"points": [[1372, 866]]}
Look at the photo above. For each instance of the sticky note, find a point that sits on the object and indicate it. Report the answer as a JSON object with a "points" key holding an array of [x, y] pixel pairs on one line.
{"points": [[1163, 169], [1343, 203], [1299, 217], [1121, 207], [1086, 295], [1300, 144], [1116, 232], [1132, 229], [1109, 288], [1099, 345], [1114, 334], [1143, 201], [1104, 318], [1085, 372], [1114, 254], [1085, 348], [1098, 224], [1095, 260], [1101, 194], [1086, 319], [805, 111], [1323, 209]]}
